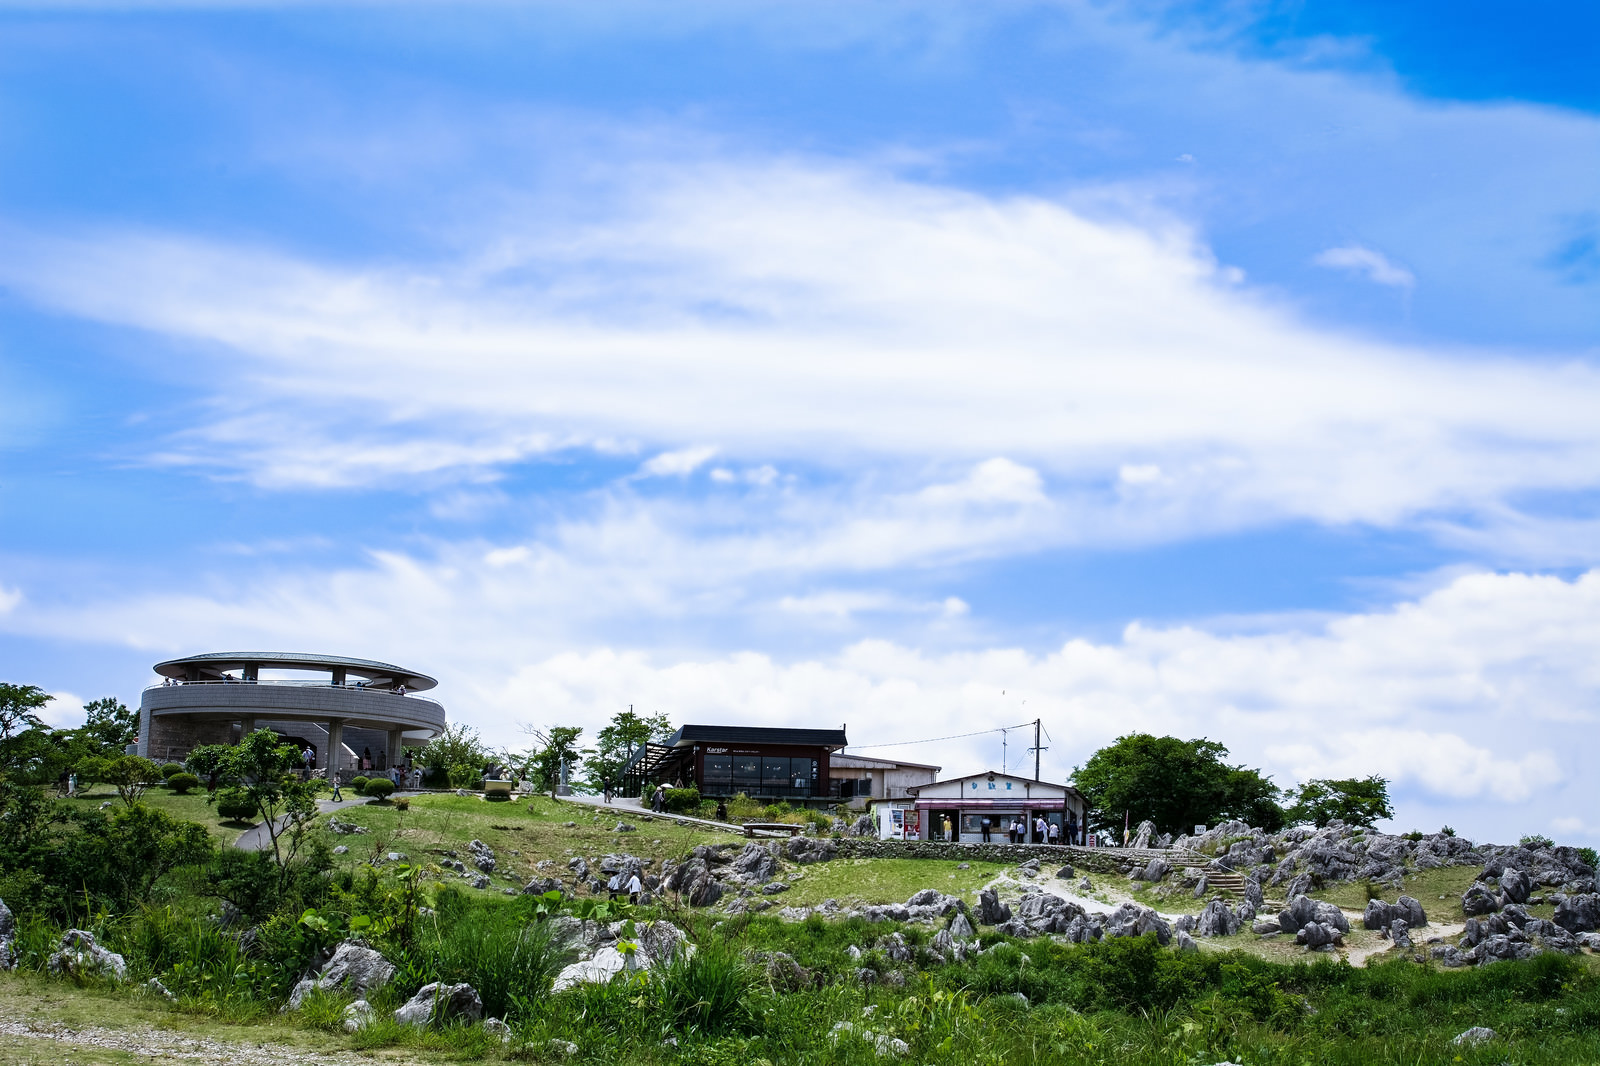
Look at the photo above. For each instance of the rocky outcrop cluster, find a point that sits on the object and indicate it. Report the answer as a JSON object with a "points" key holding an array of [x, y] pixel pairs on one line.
{"points": [[712, 871]]}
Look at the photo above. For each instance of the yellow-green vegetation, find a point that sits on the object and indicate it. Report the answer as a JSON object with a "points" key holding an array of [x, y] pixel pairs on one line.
{"points": [[1426, 886], [522, 832], [886, 880]]}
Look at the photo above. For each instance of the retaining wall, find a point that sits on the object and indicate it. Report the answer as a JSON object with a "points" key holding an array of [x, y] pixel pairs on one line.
{"points": [[1053, 856]]}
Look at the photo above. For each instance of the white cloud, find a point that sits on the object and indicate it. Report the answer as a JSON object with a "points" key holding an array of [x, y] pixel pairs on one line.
{"points": [[9, 598], [1374, 266], [677, 463], [880, 324], [1470, 694]]}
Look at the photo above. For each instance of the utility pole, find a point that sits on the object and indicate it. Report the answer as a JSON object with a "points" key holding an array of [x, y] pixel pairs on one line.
{"points": [[1036, 749]]}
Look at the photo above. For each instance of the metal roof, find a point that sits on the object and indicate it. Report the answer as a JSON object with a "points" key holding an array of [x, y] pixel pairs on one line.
{"points": [[875, 761], [751, 734], [218, 662]]}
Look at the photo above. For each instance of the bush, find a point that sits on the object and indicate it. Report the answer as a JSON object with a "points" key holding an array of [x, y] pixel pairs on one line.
{"points": [[379, 788], [170, 768], [358, 784], [235, 804], [682, 800], [181, 782], [1588, 855], [1537, 840]]}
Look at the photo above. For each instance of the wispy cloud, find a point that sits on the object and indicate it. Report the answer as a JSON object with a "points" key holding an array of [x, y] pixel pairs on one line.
{"points": [[1372, 265]]}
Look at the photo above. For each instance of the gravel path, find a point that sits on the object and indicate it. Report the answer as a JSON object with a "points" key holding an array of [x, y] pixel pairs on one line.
{"points": [[176, 1047]]}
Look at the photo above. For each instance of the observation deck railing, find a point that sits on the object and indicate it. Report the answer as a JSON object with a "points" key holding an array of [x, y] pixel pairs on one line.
{"points": [[365, 690]]}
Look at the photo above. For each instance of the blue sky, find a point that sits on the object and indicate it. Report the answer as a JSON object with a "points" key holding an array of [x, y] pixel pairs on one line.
{"points": [[1222, 370]]}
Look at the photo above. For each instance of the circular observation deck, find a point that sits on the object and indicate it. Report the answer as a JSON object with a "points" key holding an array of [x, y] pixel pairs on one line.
{"points": [[341, 708]]}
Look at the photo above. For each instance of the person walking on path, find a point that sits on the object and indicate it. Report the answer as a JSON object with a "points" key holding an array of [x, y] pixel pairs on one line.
{"points": [[338, 797], [634, 888], [658, 801]]}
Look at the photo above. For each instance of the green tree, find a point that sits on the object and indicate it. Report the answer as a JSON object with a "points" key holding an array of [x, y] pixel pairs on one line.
{"points": [[1353, 801], [110, 724], [457, 753], [615, 745], [19, 705], [207, 761], [266, 770], [130, 775], [554, 748], [1177, 784]]}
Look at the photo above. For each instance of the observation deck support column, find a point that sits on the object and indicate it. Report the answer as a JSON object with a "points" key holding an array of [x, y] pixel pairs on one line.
{"points": [[395, 749], [247, 725], [335, 745]]}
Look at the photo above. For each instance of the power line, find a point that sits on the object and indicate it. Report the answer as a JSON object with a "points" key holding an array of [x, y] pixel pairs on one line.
{"points": [[935, 740]]}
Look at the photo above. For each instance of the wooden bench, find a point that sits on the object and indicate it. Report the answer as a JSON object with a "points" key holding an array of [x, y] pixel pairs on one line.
{"points": [[752, 828]]}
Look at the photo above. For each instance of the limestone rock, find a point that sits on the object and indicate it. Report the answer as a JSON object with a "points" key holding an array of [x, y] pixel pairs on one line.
{"points": [[1398, 932], [357, 1016], [1142, 836], [1265, 926], [807, 850], [80, 956], [1448, 956], [437, 1003], [1217, 920], [1131, 919], [694, 880], [1479, 900], [1158, 869], [496, 1027], [961, 927], [1575, 914], [1317, 935], [1186, 942], [1478, 1034], [1515, 886], [354, 968], [755, 865], [482, 856], [8, 938], [990, 910], [579, 866]]}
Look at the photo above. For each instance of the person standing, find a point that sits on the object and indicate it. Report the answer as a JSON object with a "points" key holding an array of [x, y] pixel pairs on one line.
{"points": [[634, 887], [338, 797], [985, 827], [1055, 832], [658, 801]]}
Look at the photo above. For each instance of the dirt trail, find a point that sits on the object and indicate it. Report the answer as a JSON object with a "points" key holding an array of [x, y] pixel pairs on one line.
{"points": [[167, 1046]]}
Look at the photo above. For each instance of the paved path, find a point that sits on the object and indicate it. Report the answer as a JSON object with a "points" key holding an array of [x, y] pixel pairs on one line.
{"points": [[256, 837], [623, 805]]}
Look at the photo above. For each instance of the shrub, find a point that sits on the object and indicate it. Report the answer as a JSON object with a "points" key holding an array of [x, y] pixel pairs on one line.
{"points": [[707, 993], [682, 800], [404, 803], [358, 784], [1588, 855], [182, 783], [170, 768], [379, 788], [235, 804], [1537, 840]]}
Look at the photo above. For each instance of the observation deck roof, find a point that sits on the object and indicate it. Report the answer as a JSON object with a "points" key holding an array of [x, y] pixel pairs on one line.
{"points": [[212, 665]]}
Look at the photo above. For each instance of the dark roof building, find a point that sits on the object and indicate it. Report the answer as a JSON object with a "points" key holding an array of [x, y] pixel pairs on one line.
{"points": [[725, 760]]}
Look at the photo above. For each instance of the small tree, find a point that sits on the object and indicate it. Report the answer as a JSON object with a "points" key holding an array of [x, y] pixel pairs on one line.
{"points": [[207, 762], [1354, 801], [265, 770], [457, 753], [555, 748], [131, 775]]}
